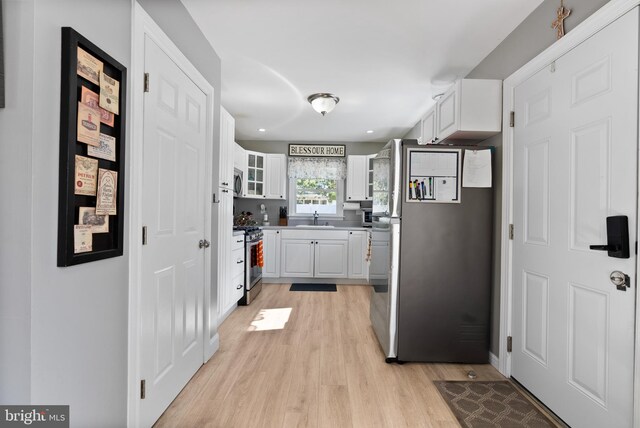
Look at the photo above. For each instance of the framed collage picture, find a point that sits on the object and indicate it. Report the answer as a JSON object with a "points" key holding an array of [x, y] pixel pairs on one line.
{"points": [[92, 152]]}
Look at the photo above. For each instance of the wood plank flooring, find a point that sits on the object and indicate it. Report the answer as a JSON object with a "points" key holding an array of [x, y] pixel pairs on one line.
{"points": [[323, 369]]}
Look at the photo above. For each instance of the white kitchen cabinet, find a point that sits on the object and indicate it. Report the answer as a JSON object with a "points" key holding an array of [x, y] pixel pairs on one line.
{"points": [[429, 126], [471, 109], [358, 265], [297, 258], [276, 176], [224, 252], [308, 253], [227, 136], [357, 173], [254, 181], [331, 258], [239, 157], [370, 159], [271, 250]]}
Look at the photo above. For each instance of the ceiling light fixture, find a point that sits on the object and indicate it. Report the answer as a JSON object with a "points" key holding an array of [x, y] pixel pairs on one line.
{"points": [[370, 131], [323, 103], [262, 130]]}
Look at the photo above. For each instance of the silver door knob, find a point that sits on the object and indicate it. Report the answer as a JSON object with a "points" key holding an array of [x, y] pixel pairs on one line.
{"points": [[620, 280]]}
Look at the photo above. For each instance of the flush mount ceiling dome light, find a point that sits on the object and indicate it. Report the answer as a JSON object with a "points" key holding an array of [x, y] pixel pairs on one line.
{"points": [[323, 103]]}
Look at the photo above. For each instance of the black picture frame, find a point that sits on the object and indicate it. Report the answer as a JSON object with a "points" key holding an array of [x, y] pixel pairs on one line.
{"points": [[105, 245]]}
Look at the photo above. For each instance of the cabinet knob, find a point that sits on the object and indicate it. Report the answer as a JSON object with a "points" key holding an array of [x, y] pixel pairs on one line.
{"points": [[312, 242], [350, 233], [277, 231], [316, 242], [349, 197]]}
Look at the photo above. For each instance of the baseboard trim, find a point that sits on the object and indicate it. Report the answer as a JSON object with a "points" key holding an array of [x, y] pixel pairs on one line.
{"points": [[494, 361]]}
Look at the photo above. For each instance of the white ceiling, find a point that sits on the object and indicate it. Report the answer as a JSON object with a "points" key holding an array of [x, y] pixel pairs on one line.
{"points": [[383, 58]]}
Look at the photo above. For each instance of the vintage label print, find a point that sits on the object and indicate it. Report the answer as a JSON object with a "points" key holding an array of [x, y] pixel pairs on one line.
{"points": [[82, 238], [98, 223], [88, 66], [109, 93], [86, 176], [106, 149], [107, 190], [88, 125], [93, 100]]}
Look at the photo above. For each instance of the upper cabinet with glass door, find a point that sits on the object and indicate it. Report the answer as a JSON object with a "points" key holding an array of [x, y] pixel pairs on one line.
{"points": [[255, 181]]}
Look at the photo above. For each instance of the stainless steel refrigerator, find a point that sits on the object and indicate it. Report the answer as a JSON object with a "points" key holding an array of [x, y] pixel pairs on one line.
{"points": [[431, 302]]}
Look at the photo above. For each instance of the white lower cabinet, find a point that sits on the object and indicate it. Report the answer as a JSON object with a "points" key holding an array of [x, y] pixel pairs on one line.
{"points": [[297, 258], [337, 254], [271, 242], [231, 285], [358, 266], [330, 258]]}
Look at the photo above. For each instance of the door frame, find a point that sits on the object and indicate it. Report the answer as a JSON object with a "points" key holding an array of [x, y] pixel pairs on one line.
{"points": [[143, 25], [596, 22]]}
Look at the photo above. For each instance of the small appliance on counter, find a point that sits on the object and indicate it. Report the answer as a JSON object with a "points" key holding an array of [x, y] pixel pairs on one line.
{"points": [[367, 217], [282, 221]]}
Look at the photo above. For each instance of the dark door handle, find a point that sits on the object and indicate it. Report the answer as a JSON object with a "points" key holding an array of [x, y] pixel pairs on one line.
{"points": [[617, 237], [239, 286], [604, 247]]}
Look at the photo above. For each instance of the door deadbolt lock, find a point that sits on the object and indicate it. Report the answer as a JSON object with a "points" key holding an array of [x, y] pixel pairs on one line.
{"points": [[620, 280]]}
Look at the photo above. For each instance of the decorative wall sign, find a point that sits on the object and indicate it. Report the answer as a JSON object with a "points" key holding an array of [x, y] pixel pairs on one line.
{"points": [[317, 150], [92, 143], [561, 14]]}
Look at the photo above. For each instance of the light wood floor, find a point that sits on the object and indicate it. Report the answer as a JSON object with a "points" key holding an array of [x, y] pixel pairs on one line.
{"points": [[323, 369]]}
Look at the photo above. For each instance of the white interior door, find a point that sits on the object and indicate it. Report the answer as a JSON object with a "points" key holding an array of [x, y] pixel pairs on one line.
{"points": [[575, 164], [172, 342]]}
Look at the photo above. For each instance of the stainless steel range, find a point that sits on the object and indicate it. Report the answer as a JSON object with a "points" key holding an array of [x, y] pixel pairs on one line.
{"points": [[253, 263]]}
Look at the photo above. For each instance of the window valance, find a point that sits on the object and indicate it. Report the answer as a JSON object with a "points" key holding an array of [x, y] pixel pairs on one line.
{"points": [[329, 168]]}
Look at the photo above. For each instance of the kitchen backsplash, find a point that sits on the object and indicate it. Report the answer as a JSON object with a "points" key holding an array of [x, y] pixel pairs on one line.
{"points": [[351, 218]]}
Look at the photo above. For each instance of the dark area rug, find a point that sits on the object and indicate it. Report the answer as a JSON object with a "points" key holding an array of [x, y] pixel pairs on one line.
{"points": [[491, 404], [296, 286]]}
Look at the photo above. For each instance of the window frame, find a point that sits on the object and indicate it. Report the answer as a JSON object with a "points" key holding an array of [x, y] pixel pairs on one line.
{"points": [[340, 194]]}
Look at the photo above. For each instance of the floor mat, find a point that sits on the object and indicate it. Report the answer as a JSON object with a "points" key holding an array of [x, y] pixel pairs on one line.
{"points": [[296, 286], [491, 404]]}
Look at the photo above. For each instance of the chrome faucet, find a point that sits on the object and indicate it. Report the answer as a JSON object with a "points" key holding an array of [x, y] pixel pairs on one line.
{"points": [[315, 218]]}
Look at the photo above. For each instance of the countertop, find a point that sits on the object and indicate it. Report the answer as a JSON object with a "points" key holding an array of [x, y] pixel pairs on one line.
{"points": [[314, 228]]}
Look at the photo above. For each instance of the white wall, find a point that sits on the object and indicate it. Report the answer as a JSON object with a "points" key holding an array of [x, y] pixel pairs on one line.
{"points": [[64, 330], [79, 313], [15, 205]]}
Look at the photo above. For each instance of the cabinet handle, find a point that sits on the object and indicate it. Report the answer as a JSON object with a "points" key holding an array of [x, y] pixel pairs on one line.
{"points": [[242, 240], [225, 191], [239, 287], [225, 184], [239, 262], [264, 196]]}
